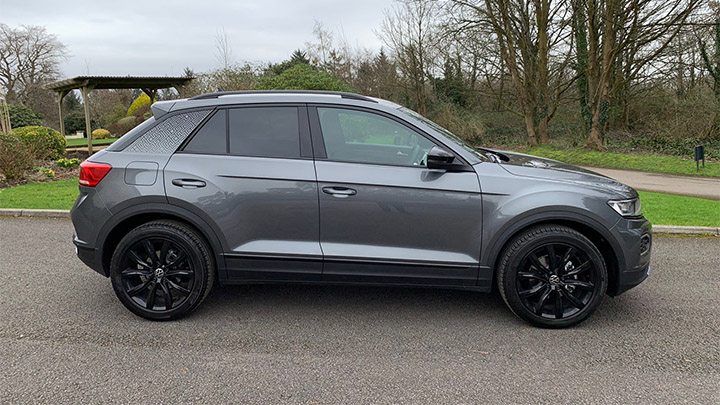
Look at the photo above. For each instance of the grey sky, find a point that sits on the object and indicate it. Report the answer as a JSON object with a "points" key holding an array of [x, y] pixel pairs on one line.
{"points": [[154, 37]]}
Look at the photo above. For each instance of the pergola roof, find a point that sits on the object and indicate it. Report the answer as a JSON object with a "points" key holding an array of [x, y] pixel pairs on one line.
{"points": [[86, 84], [118, 82]]}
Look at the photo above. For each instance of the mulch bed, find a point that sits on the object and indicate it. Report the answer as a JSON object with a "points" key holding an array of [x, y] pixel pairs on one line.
{"points": [[36, 175]]}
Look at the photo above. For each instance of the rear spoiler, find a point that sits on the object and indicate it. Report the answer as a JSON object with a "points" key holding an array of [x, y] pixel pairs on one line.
{"points": [[161, 108]]}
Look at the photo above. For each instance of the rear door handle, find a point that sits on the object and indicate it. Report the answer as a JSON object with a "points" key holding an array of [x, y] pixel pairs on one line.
{"points": [[339, 192], [188, 183]]}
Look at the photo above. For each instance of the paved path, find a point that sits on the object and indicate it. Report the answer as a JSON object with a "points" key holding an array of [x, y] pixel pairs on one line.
{"points": [[703, 187], [65, 338]]}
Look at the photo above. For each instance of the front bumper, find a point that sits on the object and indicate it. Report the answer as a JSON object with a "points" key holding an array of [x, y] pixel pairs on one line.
{"points": [[634, 235]]}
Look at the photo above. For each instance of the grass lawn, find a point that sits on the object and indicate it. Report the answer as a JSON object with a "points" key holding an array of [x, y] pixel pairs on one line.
{"points": [[83, 141], [667, 209], [653, 163], [54, 195]]}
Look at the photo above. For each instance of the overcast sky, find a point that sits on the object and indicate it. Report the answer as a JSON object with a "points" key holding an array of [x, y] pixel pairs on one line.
{"points": [[161, 38]]}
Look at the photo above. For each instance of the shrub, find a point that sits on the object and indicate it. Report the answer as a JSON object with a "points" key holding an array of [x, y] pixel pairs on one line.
{"points": [[74, 122], [68, 163], [141, 111], [142, 100], [46, 142], [302, 77], [100, 134], [124, 125], [15, 156], [23, 116]]}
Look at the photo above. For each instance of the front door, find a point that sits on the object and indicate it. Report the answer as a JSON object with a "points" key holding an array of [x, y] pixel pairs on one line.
{"points": [[385, 217]]}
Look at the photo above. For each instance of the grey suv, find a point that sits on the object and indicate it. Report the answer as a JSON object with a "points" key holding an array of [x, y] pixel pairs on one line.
{"points": [[338, 188]]}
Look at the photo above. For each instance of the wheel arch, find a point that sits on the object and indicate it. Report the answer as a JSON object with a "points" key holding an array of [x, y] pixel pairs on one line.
{"points": [[132, 217], [589, 227]]}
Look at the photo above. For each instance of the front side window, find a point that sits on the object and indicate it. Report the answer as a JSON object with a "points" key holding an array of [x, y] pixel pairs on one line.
{"points": [[265, 132], [363, 137]]}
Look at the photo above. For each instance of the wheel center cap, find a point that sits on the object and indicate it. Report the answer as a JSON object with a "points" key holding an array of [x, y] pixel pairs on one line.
{"points": [[159, 273], [554, 279]]}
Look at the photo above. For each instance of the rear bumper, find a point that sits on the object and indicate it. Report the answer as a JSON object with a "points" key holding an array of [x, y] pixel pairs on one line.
{"points": [[88, 255]]}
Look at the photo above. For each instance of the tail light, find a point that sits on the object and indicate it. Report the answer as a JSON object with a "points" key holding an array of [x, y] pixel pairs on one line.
{"points": [[91, 173]]}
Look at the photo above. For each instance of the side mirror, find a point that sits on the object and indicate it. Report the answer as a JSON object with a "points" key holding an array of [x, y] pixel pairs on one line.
{"points": [[439, 158]]}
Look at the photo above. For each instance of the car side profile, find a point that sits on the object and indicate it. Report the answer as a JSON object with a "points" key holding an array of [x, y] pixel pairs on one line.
{"points": [[338, 188]]}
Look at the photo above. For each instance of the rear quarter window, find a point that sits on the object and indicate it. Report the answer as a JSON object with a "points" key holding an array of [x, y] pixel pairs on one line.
{"points": [[167, 135]]}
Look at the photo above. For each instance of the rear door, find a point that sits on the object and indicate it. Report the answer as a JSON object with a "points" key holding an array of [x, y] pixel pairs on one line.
{"points": [[385, 217], [248, 170]]}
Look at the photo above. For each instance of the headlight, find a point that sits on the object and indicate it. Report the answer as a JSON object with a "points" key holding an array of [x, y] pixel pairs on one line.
{"points": [[627, 208]]}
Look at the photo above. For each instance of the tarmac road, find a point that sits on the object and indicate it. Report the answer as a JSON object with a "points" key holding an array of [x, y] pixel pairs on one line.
{"points": [[64, 338]]}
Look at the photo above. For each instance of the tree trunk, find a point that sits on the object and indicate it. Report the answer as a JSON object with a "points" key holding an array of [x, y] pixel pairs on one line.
{"points": [[594, 139], [530, 127], [542, 13], [542, 130]]}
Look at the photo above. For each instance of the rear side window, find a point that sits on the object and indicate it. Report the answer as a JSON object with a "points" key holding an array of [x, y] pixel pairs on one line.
{"points": [[265, 131], [169, 133], [212, 137]]}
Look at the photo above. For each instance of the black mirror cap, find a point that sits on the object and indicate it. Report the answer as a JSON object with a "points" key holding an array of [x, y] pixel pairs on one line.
{"points": [[441, 159]]}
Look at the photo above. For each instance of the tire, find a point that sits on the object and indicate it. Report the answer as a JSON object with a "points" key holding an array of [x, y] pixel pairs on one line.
{"points": [[552, 276], [162, 270]]}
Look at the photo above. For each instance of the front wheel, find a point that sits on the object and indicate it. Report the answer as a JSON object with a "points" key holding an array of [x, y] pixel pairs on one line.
{"points": [[552, 276], [162, 270]]}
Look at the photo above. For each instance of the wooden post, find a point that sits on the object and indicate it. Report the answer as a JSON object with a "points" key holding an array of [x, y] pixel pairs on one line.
{"points": [[85, 90], [151, 93], [61, 95]]}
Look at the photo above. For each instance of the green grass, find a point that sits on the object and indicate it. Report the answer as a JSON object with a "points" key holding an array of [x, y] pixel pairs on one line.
{"points": [[380, 139], [653, 163], [53, 195], [660, 209], [83, 141], [667, 209]]}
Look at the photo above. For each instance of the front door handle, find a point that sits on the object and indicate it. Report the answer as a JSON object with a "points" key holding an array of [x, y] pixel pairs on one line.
{"points": [[188, 183], [339, 192]]}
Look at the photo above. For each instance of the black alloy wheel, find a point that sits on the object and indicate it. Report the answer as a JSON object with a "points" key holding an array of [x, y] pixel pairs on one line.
{"points": [[552, 276], [157, 274], [162, 270], [556, 281]]}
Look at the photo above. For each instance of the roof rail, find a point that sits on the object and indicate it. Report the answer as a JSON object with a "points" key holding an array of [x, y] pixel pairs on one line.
{"points": [[351, 96]]}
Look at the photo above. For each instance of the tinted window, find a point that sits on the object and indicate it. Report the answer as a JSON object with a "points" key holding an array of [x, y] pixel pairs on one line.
{"points": [[265, 131], [212, 137], [358, 136]]}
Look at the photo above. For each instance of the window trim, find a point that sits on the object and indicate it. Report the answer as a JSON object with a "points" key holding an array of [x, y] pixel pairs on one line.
{"points": [[319, 140]]}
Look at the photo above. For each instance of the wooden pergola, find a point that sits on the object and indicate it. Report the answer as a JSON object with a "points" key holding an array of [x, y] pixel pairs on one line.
{"points": [[149, 85]]}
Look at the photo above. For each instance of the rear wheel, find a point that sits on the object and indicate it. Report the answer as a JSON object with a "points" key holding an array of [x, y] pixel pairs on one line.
{"points": [[552, 276], [162, 270]]}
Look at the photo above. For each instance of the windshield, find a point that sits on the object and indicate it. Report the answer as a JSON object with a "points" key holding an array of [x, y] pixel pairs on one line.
{"points": [[452, 137]]}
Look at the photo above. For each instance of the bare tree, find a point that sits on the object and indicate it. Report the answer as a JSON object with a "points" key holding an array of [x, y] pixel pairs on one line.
{"points": [[409, 31], [29, 58], [623, 37], [319, 52], [526, 33], [223, 49]]}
